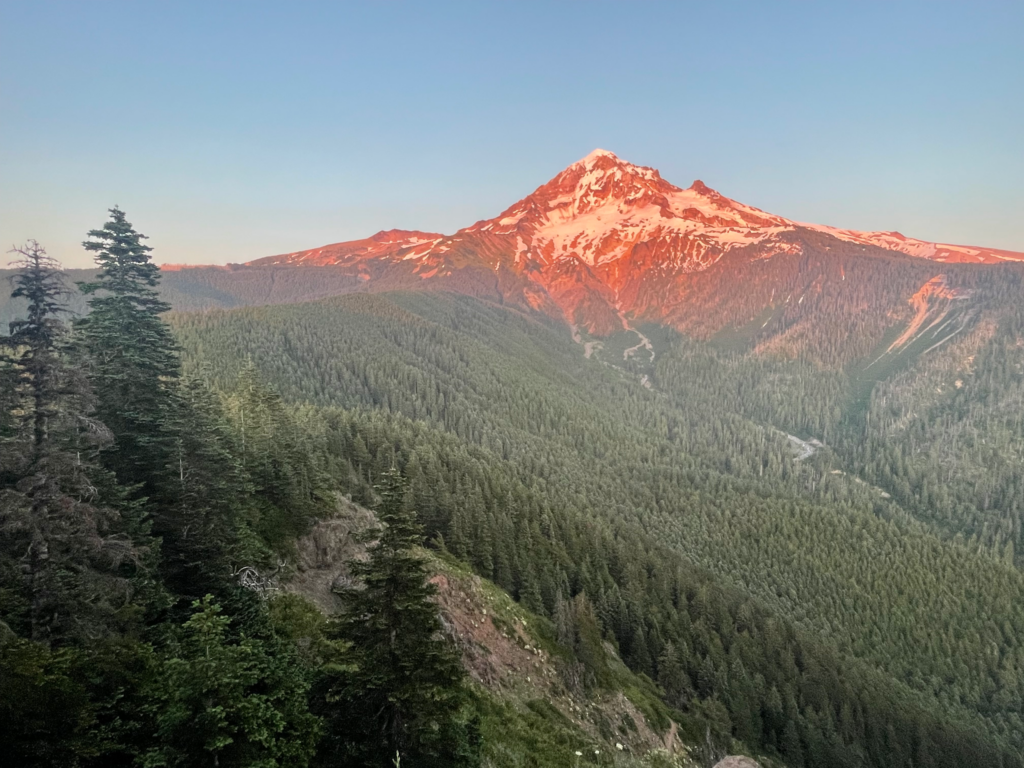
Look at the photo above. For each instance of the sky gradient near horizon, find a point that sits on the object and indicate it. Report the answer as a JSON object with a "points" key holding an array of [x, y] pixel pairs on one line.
{"points": [[228, 132]]}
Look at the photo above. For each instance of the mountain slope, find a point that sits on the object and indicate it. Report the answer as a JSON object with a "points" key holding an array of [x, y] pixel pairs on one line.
{"points": [[554, 446], [606, 240]]}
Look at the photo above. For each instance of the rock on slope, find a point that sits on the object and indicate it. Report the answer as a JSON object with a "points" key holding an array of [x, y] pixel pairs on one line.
{"points": [[737, 761]]}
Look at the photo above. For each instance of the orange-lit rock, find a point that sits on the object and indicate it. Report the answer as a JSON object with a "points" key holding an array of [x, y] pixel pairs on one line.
{"points": [[602, 241]]}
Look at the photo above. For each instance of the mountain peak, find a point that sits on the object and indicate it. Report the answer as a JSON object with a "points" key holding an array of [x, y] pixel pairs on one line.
{"points": [[604, 237], [601, 163], [604, 174], [594, 156]]}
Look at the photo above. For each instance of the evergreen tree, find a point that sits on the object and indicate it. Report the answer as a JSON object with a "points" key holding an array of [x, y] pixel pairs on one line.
{"points": [[229, 702], [135, 358], [792, 749], [673, 679], [275, 456], [33, 342], [587, 642], [208, 494], [405, 695], [69, 544]]}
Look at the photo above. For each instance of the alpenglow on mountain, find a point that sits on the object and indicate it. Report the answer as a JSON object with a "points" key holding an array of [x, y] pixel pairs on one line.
{"points": [[606, 240]]}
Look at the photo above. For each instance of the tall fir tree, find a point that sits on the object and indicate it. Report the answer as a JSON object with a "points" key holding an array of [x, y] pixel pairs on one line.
{"points": [[135, 358], [33, 342], [404, 695], [274, 454]]}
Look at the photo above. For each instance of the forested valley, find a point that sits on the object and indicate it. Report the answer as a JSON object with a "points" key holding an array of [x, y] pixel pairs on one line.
{"points": [[862, 606]]}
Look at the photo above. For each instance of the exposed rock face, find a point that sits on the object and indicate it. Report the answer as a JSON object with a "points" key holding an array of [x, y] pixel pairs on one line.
{"points": [[324, 552], [602, 241], [500, 652], [737, 761]]}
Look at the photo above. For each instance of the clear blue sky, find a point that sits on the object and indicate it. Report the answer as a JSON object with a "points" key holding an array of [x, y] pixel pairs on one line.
{"points": [[229, 131]]}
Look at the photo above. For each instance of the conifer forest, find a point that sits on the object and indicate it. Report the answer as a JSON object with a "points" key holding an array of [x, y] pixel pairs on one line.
{"points": [[423, 528]]}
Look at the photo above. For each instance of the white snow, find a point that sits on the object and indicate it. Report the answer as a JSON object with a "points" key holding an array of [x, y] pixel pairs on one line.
{"points": [[598, 231], [520, 248]]}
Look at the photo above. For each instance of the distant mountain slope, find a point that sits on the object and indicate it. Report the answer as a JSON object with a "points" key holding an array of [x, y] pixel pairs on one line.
{"points": [[605, 243], [380, 245], [197, 288]]}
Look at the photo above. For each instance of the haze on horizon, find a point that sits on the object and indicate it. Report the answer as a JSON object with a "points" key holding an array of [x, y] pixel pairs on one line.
{"points": [[228, 135]]}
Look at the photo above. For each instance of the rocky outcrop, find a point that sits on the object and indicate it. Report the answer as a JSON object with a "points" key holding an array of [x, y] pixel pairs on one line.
{"points": [[737, 761], [324, 551]]}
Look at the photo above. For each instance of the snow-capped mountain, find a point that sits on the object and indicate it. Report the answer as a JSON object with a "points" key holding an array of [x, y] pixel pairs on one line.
{"points": [[605, 240]]}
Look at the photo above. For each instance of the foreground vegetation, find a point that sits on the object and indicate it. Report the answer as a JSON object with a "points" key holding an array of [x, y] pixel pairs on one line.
{"points": [[144, 522], [131, 632]]}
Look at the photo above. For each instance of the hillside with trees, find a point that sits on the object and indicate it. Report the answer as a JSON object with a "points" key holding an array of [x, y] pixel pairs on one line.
{"points": [[162, 474]]}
